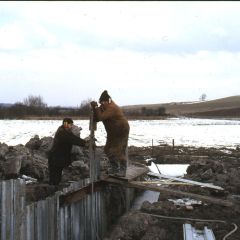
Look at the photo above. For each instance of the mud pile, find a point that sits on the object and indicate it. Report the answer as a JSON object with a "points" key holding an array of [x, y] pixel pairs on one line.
{"points": [[30, 162]]}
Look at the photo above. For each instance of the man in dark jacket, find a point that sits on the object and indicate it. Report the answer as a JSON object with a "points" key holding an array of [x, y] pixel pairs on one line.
{"points": [[117, 128], [59, 155]]}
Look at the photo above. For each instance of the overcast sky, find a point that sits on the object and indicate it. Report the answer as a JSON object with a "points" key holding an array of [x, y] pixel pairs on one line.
{"points": [[141, 52]]}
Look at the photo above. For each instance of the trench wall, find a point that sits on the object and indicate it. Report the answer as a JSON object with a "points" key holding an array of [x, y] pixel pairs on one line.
{"points": [[87, 219]]}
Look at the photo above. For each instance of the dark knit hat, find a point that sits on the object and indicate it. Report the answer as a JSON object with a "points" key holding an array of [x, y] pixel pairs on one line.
{"points": [[104, 96], [67, 120]]}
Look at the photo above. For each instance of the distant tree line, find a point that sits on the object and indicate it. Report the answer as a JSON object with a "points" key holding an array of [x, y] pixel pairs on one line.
{"points": [[144, 111], [35, 106]]}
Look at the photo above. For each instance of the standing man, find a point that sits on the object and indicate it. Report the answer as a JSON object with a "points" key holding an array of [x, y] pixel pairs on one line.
{"points": [[117, 128], [59, 155]]}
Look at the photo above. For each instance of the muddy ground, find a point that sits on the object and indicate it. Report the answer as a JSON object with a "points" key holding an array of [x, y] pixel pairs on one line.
{"points": [[164, 219], [159, 220]]}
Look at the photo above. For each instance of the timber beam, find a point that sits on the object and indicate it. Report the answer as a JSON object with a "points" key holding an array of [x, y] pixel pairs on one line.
{"points": [[136, 184], [77, 195]]}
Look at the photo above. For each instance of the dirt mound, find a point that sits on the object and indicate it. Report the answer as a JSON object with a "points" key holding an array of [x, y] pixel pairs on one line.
{"points": [[164, 219]]}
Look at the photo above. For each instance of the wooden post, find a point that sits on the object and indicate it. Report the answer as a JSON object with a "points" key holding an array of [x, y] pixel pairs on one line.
{"points": [[127, 190], [94, 166], [94, 171], [152, 147]]}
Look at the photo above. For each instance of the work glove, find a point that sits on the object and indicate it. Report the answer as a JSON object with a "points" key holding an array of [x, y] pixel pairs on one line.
{"points": [[93, 104]]}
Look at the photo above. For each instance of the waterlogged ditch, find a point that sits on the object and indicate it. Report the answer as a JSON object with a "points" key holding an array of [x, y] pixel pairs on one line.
{"points": [[164, 218]]}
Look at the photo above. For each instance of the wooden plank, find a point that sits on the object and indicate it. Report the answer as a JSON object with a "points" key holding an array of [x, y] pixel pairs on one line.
{"points": [[120, 178], [30, 222], [185, 180], [136, 184], [18, 208], [164, 183], [132, 173], [79, 194]]}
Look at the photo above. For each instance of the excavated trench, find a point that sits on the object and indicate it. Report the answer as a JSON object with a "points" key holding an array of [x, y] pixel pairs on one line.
{"points": [[149, 216]]}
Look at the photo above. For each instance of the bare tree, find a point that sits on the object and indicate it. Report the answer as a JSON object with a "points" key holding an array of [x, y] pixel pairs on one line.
{"points": [[203, 97], [34, 101], [85, 107]]}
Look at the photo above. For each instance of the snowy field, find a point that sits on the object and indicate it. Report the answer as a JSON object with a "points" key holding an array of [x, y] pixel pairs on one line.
{"points": [[184, 131]]}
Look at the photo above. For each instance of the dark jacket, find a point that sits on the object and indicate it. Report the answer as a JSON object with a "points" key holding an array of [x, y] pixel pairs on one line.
{"points": [[117, 129], [59, 155]]}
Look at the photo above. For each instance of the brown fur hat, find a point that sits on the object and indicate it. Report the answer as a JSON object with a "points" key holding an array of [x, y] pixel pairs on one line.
{"points": [[104, 96]]}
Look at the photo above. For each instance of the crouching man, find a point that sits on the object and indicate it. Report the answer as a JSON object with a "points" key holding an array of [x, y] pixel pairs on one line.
{"points": [[60, 154]]}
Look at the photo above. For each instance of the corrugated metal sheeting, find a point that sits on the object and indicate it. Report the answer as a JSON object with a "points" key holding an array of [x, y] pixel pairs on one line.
{"points": [[45, 219], [191, 233]]}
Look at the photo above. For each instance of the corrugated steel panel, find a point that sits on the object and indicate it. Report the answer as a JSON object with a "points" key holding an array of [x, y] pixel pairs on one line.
{"points": [[190, 233], [11, 209], [29, 227], [45, 219]]}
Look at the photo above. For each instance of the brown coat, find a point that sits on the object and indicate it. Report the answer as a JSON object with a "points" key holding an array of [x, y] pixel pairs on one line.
{"points": [[117, 129]]}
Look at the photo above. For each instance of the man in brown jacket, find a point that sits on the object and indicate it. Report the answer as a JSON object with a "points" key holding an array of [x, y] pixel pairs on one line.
{"points": [[117, 128]]}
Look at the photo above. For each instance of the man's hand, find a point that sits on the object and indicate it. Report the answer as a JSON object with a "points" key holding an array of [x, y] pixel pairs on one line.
{"points": [[93, 104], [87, 144], [87, 139]]}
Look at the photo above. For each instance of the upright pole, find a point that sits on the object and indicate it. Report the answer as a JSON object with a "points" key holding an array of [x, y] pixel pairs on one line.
{"points": [[94, 166], [94, 174], [152, 148]]}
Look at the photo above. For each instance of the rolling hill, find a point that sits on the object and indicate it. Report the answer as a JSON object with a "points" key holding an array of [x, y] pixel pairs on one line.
{"points": [[225, 107]]}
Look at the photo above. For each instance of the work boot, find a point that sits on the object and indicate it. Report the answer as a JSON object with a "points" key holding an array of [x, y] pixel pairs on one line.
{"points": [[122, 170], [114, 168]]}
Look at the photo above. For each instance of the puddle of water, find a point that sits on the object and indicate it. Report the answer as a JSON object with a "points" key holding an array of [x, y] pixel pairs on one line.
{"points": [[147, 195], [173, 170]]}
